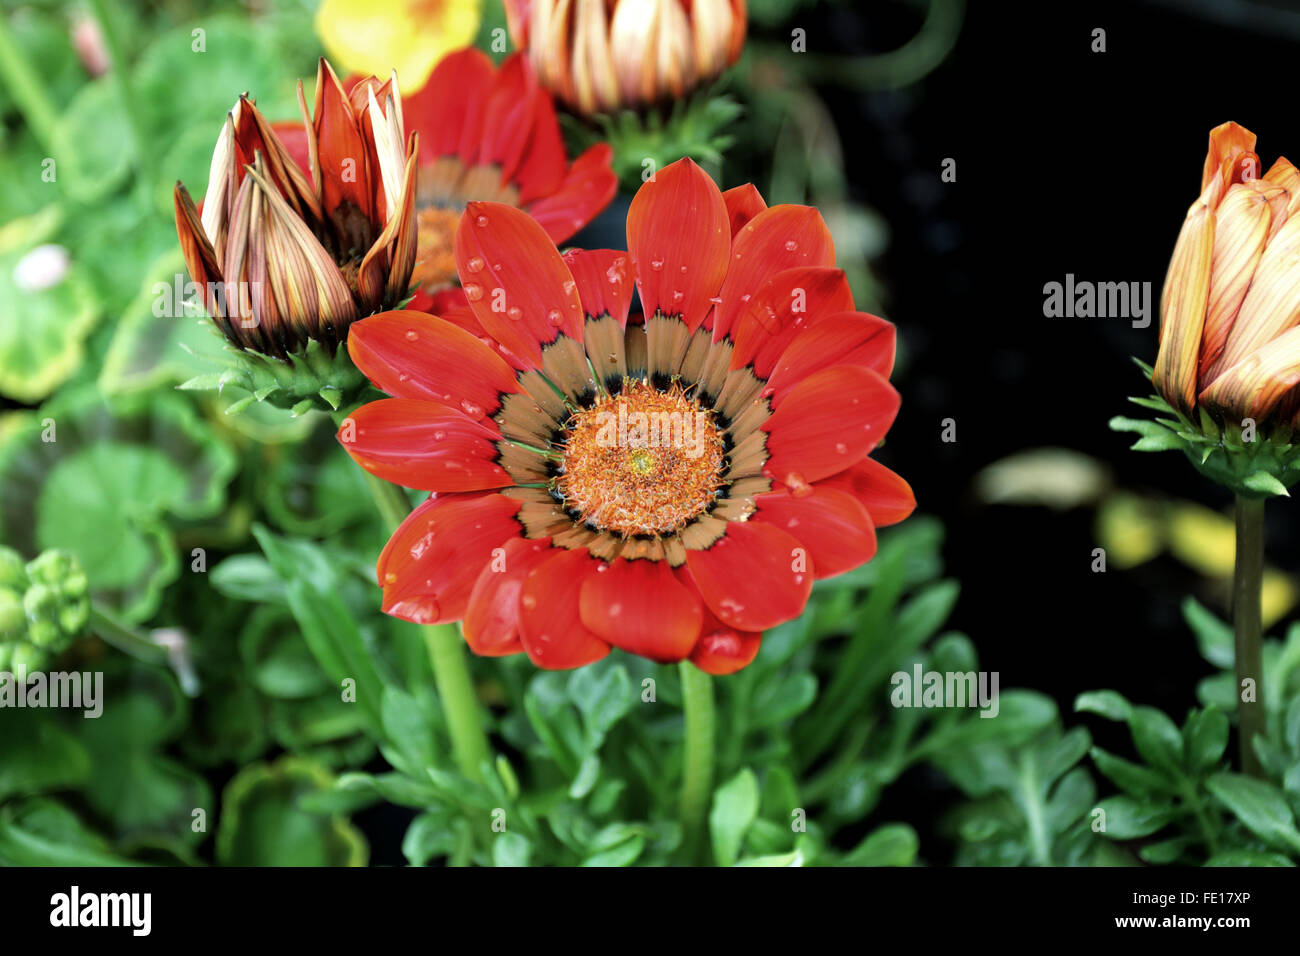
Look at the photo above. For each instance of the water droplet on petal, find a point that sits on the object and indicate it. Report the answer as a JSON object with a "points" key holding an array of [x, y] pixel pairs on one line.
{"points": [[412, 335], [514, 312], [799, 488], [472, 410], [528, 601], [473, 291], [481, 221], [791, 245], [841, 448], [474, 265], [555, 317], [656, 264]]}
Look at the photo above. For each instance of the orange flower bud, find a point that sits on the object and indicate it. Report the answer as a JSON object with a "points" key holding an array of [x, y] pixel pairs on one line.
{"points": [[1231, 303]]}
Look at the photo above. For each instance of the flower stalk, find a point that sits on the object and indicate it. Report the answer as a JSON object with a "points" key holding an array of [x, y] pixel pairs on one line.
{"points": [[446, 651], [1247, 581], [698, 751]]}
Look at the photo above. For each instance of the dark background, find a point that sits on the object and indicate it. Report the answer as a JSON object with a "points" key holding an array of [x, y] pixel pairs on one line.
{"points": [[1068, 161]]}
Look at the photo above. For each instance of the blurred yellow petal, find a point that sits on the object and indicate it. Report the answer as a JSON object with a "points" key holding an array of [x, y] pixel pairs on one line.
{"points": [[376, 37], [1204, 540], [1277, 598], [1131, 529]]}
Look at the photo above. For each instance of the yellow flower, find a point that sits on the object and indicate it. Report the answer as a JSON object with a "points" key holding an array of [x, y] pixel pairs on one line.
{"points": [[409, 36]]}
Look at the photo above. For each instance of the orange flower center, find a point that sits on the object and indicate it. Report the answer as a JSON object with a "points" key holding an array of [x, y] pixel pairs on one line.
{"points": [[435, 262], [642, 462]]}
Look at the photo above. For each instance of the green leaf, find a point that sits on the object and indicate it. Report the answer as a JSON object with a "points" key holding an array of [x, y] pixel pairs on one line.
{"points": [[107, 484], [407, 726], [1205, 738], [1133, 777], [794, 858], [1213, 636], [41, 832], [36, 754], [1128, 818], [1157, 738], [510, 849], [262, 823], [44, 330], [894, 844], [1265, 484], [430, 835], [782, 698], [604, 696], [1107, 703], [1260, 806], [248, 577], [1248, 858], [624, 854], [97, 122], [735, 805]]}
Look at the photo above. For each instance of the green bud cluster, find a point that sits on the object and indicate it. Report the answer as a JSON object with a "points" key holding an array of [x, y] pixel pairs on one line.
{"points": [[44, 606]]}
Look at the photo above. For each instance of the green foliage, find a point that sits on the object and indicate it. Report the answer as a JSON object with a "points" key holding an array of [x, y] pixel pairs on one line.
{"points": [[1178, 801]]}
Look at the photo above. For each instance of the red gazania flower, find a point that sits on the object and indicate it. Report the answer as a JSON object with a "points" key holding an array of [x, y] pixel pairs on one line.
{"points": [[669, 485], [489, 134]]}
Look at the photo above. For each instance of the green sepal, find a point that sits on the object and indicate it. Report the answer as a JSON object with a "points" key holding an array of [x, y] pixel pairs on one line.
{"points": [[313, 378]]}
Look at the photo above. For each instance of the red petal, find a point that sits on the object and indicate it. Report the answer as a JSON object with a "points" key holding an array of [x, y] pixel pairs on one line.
{"points": [[413, 355], [454, 92], [641, 607], [886, 496], [724, 650], [549, 623], [849, 338], [830, 522], [294, 137], [492, 619], [430, 564], [517, 284], [779, 238], [678, 236], [604, 282], [743, 204], [587, 188], [749, 577], [828, 422], [426, 445], [781, 309], [339, 142], [508, 115]]}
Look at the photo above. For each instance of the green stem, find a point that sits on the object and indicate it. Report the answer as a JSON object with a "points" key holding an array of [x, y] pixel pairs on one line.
{"points": [[697, 757], [120, 74], [121, 635], [446, 649], [1247, 582], [29, 93]]}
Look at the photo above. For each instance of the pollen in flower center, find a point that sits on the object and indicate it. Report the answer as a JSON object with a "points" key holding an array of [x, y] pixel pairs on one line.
{"points": [[435, 261], [643, 461]]}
